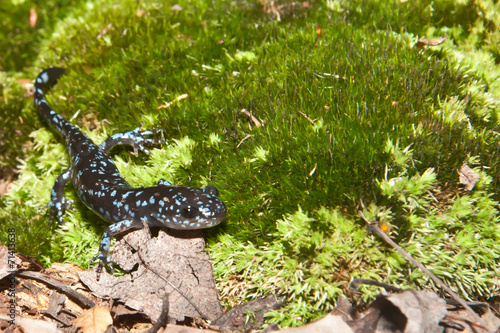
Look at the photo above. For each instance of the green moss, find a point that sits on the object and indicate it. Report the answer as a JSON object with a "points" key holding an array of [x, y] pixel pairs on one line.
{"points": [[350, 116], [19, 40], [16, 125]]}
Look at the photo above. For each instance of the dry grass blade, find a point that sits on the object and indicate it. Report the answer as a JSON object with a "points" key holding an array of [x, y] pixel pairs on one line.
{"points": [[252, 118], [177, 99]]}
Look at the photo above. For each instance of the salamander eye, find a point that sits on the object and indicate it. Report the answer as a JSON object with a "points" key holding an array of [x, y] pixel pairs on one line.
{"points": [[189, 211], [212, 190]]}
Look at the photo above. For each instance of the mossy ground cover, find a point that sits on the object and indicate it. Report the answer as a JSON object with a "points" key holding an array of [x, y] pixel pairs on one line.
{"points": [[352, 116]]}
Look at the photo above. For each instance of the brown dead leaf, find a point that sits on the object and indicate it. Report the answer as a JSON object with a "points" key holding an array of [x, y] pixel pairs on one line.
{"points": [[423, 310], [236, 319], [22, 324], [5, 186], [27, 85], [430, 42], [140, 12], [409, 311], [9, 262], [328, 324], [185, 329], [176, 264], [64, 272], [176, 8], [95, 320], [467, 177], [33, 17]]}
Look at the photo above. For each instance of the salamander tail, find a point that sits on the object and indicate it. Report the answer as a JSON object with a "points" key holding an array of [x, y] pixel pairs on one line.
{"points": [[43, 82], [46, 79]]}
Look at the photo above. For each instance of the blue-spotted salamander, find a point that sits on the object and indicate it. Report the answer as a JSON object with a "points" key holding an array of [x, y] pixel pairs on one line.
{"points": [[101, 187]]}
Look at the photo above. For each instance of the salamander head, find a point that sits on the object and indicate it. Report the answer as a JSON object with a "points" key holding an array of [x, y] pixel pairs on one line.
{"points": [[187, 208]]}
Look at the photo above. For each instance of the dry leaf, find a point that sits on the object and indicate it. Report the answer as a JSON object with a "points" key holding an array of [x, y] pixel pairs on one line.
{"points": [[139, 12], [430, 42], [235, 320], [423, 310], [467, 177], [33, 17], [22, 324], [176, 264], [461, 317], [328, 324], [9, 262], [27, 85], [176, 8], [95, 320]]}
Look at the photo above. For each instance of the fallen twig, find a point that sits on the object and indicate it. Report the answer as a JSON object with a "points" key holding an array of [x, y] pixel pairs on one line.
{"points": [[78, 298], [246, 137], [177, 99], [162, 321], [355, 283], [305, 116], [374, 228], [252, 118]]}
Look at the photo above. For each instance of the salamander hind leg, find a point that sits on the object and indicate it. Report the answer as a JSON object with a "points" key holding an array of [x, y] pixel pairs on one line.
{"points": [[58, 202], [107, 236], [135, 138]]}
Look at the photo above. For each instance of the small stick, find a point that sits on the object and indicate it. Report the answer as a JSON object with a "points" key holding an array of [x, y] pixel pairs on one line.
{"points": [[465, 320], [374, 227], [78, 298], [305, 116], [162, 321], [246, 137], [177, 99], [357, 282], [252, 118]]}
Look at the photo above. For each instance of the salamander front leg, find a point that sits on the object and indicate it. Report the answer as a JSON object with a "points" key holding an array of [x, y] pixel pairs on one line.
{"points": [[135, 138], [109, 233], [58, 202]]}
